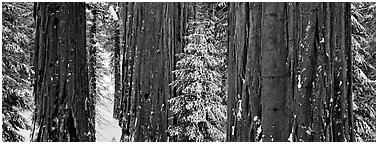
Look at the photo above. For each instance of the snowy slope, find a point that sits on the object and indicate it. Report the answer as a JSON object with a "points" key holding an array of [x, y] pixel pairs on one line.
{"points": [[29, 117], [107, 128]]}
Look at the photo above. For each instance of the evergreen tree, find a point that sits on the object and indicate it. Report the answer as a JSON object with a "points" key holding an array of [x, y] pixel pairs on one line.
{"points": [[198, 108], [116, 53], [297, 71], [92, 61], [64, 111], [153, 35], [290, 66], [217, 12], [363, 43], [101, 41], [17, 55]]}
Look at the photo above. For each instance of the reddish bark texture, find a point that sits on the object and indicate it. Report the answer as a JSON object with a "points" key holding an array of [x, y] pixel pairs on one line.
{"points": [[64, 111], [289, 66], [153, 35]]}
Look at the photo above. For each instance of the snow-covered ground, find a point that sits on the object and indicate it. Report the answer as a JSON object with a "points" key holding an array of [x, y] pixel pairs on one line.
{"points": [[29, 117], [107, 128]]}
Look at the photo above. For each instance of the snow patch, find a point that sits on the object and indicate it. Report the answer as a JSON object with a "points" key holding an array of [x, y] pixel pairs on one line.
{"points": [[259, 130], [290, 139], [322, 40], [308, 132], [233, 130], [113, 13], [255, 118], [299, 82]]}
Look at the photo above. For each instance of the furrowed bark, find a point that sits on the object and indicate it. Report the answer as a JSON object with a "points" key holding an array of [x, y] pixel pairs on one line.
{"points": [[275, 74], [64, 111], [152, 39], [301, 67]]}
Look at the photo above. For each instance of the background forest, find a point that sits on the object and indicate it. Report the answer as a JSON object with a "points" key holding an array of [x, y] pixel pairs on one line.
{"points": [[122, 50]]}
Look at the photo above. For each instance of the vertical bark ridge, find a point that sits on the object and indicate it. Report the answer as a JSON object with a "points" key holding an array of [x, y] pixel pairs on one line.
{"points": [[305, 49], [64, 111], [152, 39]]}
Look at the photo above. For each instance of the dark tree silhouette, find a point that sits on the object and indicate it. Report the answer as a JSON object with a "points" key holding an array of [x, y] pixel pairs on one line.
{"points": [[290, 71], [117, 70], [153, 35], [64, 111], [92, 52]]}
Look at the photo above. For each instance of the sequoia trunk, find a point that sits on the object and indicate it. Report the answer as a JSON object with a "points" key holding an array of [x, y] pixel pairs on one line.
{"points": [[63, 111], [153, 35], [289, 65]]}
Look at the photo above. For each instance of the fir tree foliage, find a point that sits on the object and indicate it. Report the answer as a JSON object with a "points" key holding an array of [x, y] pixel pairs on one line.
{"points": [[201, 116], [364, 70], [102, 43], [17, 30], [217, 11], [200, 75]]}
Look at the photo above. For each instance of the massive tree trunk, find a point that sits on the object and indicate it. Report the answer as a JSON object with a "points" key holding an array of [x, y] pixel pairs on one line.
{"points": [[92, 51], [244, 108], [63, 108], [153, 35], [323, 99], [117, 74], [274, 73], [289, 64]]}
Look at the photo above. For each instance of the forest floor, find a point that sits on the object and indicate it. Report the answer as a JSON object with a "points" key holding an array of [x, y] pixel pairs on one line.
{"points": [[107, 128], [28, 114]]}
